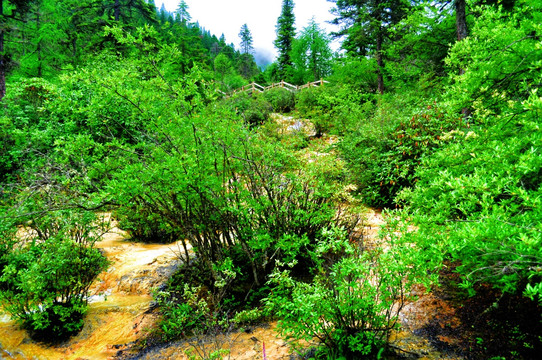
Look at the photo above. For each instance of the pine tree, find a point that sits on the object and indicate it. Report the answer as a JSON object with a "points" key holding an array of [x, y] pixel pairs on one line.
{"points": [[162, 15], [246, 51], [182, 13], [125, 9], [312, 54], [366, 24], [285, 36], [246, 40]]}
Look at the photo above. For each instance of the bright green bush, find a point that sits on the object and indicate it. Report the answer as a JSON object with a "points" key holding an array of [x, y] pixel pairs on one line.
{"points": [[477, 200], [502, 58], [44, 284], [484, 193], [253, 109], [356, 73], [282, 100], [24, 129], [7, 241], [183, 316], [351, 305], [194, 301], [144, 225], [333, 108]]}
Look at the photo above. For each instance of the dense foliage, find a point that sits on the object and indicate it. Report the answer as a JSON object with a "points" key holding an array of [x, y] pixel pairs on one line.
{"points": [[116, 107]]}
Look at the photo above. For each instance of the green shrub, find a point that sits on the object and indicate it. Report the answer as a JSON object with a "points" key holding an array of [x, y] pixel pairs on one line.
{"points": [[383, 159], [282, 100], [144, 225], [7, 241], [351, 305], [254, 110], [182, 316], [193, 303], [356, 73], [478, 199], [333, 108], [44, 284]]}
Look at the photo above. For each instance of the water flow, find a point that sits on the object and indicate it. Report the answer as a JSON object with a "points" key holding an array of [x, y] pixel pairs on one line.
{"points": [[118, 308]]}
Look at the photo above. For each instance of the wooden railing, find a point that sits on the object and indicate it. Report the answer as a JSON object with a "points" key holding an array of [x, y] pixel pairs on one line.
{"points": [[254, 87]]}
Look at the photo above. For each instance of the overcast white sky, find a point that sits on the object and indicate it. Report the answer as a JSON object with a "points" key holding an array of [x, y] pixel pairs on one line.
{"points": [[227, 16]]}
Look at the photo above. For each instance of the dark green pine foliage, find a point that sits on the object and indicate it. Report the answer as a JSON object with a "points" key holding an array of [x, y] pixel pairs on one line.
{"points": [[81, 28], [285, 37], [366, 26], [42, 45], [246, 58], [129, 11], [17, 8]]}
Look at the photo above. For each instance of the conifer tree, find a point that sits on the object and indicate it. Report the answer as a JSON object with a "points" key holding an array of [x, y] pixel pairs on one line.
{"points": [[285, 36], [366, 24], [246, 40], [162, 15], [124, 9], [246, 51], [311, 54], [182, 13]]}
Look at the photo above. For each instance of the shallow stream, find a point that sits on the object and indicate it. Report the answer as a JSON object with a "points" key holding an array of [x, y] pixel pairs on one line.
{"points": [[119, 314], [118, 304]]}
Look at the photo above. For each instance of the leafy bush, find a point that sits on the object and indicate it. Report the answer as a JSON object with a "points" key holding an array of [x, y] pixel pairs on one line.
{"points": [[233, 82], [183, 316], [281, 99], [502, 56], [332, 108], [192, 304], [218, 184], [254, 110], [350, 306], [356, 73], [384, 161], [23, 124], [484, 194], [477, 200], [7, 241], [144, 225], [45, 282]]}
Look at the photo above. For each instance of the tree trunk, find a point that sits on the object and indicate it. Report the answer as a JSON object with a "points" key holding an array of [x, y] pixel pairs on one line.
{"points": [[380, 62], [2, 55], [38, 24], [461, 19], [117, 10], [462, 33], [461, 23]]}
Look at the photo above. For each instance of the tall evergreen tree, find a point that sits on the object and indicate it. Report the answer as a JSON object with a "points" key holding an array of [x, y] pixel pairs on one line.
{"points": [[366, 24], [127, 10], [246, 51], [312, 54], [285, 36], [246, 40], [182, 13], [162, 15]]}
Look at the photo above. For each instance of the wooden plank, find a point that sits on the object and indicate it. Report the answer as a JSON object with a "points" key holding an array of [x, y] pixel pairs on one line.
{"points": [[282, 84]]}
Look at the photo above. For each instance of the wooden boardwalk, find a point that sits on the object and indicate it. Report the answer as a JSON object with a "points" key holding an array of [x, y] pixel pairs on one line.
{"points": [[254, 87]]}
